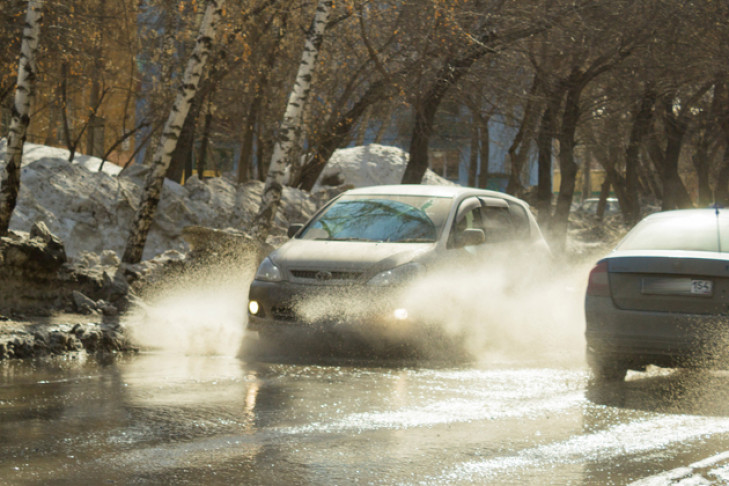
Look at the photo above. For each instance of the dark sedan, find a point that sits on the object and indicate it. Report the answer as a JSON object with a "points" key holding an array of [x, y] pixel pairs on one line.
{"points": [[662, 296]]}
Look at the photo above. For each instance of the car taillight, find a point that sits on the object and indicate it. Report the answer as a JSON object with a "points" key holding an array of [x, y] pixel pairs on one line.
{"points": [[598, 283]]}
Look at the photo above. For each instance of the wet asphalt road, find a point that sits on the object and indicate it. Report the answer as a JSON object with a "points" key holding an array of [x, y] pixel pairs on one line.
{"points": [[165, 418]]}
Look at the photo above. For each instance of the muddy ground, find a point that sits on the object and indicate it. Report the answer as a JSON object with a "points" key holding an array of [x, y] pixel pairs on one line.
{"points": [[52, 305]]}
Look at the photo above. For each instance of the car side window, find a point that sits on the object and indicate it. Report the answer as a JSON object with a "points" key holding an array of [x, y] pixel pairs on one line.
{"points": [[497, 224], [468, 216], [519, 218]]}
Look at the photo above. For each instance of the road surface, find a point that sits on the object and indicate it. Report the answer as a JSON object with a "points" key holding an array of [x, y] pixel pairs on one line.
{"points": [[168, 418]]}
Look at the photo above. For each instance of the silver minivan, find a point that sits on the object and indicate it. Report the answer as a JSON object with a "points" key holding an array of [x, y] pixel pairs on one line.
{"points": [[341, 271]]}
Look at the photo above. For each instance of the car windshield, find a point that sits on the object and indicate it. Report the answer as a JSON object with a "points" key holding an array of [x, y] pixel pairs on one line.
{"points": [[690, 231], [388, 218]]}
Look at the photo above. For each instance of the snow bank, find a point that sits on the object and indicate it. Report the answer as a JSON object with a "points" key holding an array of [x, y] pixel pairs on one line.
{"points": [[369, 165], [91, 211]]}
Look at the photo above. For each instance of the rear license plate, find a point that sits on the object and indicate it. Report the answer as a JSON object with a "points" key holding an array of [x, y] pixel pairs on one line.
{"points": [[676, 286], [701, 287]]}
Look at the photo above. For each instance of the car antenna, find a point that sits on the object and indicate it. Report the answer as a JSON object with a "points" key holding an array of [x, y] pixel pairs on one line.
{"points": [[718, 230]]}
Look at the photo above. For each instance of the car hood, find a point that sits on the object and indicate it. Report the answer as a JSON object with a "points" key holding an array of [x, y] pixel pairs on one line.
{"points": [[350, 256]]}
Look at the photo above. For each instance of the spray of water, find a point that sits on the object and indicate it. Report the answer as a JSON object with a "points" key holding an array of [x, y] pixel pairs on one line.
{"points": [[507, 304], [201, 310]]}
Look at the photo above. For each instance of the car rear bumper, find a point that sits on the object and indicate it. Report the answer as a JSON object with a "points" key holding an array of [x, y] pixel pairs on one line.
{"points": [[639, 338]]}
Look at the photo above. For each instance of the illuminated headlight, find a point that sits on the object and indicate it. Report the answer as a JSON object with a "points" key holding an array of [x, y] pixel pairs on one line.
{"points": [[398, 275], [253, 307], [401, 314], [268, 272]]}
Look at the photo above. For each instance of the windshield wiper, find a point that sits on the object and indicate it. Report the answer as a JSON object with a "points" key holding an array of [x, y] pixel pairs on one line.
{"points": [[352, 238], [413, 240]]}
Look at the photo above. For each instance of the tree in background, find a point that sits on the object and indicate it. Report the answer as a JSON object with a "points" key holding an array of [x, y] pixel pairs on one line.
{"points": [[287, 137], [11, 27], [27, 73], [360, 78], [584, 60], [155, 180], [87, 87], [479, 30], [636, 88], [233, 68]]}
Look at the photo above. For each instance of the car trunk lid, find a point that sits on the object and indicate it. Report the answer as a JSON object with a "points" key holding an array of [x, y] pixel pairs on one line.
{"points": [[670, 281]]}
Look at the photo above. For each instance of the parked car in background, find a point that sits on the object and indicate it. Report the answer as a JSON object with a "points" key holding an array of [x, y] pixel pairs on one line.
{"points": [[662, 296], [589, 206], [340, 271]]}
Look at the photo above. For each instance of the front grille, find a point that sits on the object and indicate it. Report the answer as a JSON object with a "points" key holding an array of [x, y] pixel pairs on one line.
{"points": [[283, 313], [327, 277]]}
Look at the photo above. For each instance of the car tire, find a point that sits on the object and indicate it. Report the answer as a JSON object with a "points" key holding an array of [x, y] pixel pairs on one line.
{"points": [[273, 339], [605, 369]]}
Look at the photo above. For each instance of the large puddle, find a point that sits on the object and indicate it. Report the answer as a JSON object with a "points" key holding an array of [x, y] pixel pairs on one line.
{"points": [[170, 418]]}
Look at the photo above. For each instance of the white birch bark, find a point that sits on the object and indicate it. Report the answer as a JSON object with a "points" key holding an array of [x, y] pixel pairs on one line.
{"points": [[288, 130], [171, 132], [24, 90]]}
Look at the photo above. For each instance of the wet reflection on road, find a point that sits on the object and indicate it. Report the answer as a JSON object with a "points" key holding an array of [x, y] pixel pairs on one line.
{"points": [[169, 418]]}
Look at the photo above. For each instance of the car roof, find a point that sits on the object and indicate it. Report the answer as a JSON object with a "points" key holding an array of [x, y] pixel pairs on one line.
{"points": [[671, 223], [682, 213], [426, 190]]}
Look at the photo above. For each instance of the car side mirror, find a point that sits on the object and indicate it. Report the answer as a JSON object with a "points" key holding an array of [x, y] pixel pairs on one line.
{"points": [[472, 237], [294, 228]]}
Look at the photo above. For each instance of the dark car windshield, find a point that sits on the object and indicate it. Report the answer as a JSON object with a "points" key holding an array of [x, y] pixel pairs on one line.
{"points": [[690, 231], [388, 218]]}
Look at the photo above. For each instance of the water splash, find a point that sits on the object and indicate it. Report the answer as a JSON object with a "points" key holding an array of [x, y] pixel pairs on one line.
{"points": [[199, 311]]}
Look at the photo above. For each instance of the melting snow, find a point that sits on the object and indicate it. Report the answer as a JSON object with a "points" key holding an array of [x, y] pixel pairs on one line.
{"points": [[92, 210]]}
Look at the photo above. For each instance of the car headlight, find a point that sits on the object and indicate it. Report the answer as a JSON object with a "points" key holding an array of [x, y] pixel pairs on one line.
{"points": [[398, 275], [268, 272]]}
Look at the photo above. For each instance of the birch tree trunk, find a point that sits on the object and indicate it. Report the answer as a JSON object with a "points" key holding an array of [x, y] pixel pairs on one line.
{"points": [[171, 132], [288, 131], [27, 73]]}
